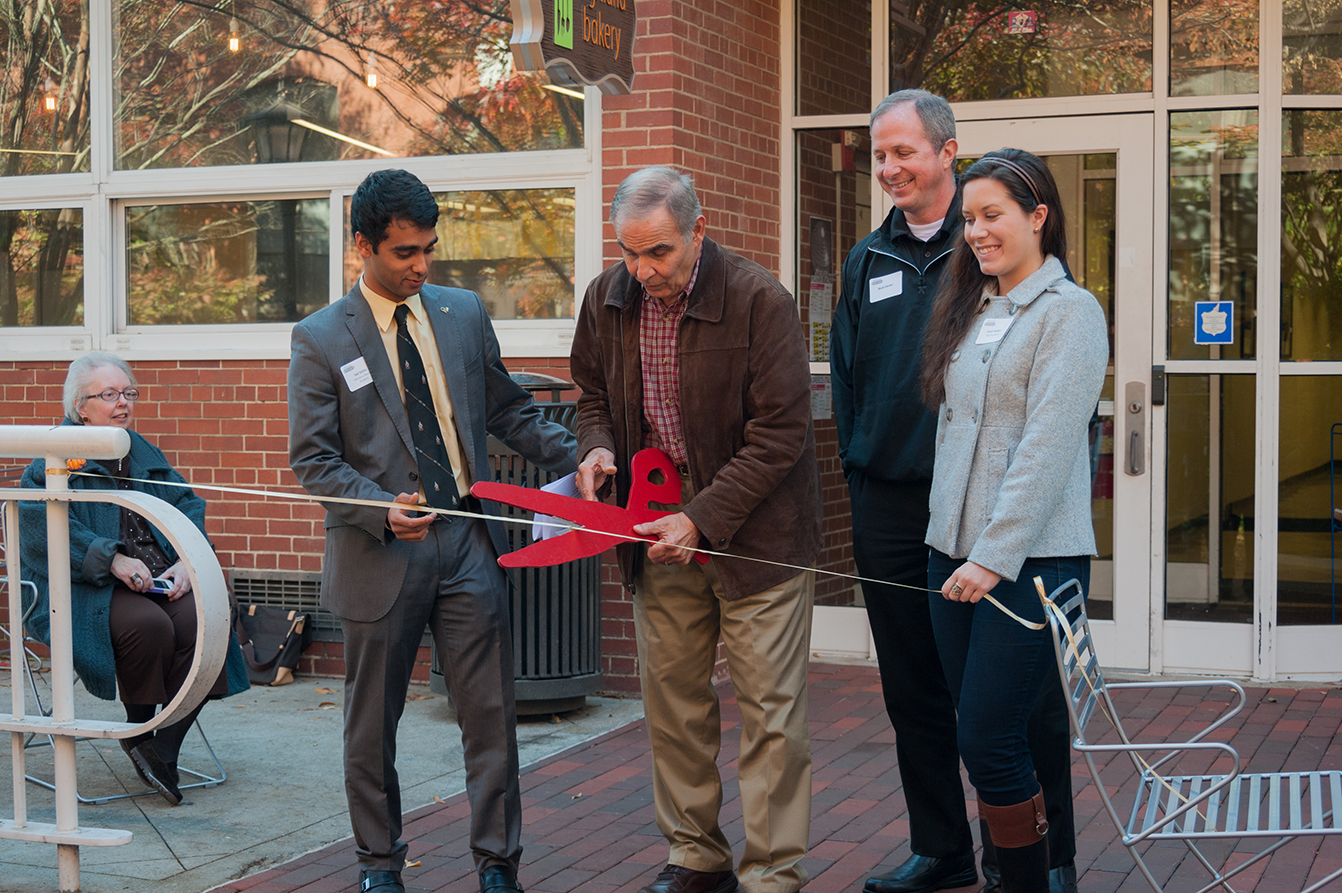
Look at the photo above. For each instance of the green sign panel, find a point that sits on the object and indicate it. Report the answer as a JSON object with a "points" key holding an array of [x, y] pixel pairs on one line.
{"points": [[564, 24]]}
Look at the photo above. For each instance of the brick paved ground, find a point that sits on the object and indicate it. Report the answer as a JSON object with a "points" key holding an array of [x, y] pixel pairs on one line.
{"points": [[589, 816]]}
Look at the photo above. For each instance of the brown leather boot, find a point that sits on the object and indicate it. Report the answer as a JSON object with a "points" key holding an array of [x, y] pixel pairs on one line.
{"points": [[1019, 833]]}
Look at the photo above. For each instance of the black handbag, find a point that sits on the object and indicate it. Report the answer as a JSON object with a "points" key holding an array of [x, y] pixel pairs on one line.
{"points": [[272, 640]]}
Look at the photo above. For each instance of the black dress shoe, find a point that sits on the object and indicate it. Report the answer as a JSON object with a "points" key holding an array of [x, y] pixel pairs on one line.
{"points": [[679, 879], [155, 772], [922, 874], [382, 881], [499, 879]]}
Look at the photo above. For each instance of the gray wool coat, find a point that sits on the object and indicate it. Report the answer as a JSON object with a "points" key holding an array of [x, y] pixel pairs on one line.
{"points": [[1012, 474]]}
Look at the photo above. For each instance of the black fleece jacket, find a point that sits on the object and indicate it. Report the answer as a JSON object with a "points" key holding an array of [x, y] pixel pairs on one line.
{"points": [[876, 348]]}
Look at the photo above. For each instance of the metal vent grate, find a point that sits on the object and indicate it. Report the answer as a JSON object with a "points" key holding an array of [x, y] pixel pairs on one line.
{"points": [[296, 590]]}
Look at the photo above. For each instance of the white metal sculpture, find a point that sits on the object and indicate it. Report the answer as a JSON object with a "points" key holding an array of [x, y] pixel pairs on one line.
{"points": [[56, 445]]}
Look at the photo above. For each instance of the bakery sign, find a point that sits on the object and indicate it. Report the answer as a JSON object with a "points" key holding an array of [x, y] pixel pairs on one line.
{"points": [[579, 42]]}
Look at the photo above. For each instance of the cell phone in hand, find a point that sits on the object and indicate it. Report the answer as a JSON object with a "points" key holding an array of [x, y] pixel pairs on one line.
{"points": [[162, 585]]}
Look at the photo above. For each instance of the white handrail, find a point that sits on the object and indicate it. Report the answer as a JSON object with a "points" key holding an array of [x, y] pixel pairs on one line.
{"points": [[56, 445]]}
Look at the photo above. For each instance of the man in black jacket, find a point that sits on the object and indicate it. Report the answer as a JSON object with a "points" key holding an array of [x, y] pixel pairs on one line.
{"points": [[887, 442]]}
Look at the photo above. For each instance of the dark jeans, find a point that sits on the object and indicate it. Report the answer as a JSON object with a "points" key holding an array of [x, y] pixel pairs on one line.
{"points": [[997, 671], [889, 526]]}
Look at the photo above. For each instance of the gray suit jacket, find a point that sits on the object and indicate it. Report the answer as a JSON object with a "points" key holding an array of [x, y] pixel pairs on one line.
{"points": [[356, 443], [1012, 473]]}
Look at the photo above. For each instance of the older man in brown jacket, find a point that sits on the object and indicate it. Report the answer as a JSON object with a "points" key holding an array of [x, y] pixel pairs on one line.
{"points": [[691, 348]]}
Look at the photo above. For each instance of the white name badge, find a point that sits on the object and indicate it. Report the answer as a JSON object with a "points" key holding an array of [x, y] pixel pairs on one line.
{"points": [[994, 329], [883, 287], [356, 374]]}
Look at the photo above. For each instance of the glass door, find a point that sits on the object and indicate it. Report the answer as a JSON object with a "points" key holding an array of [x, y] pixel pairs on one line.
{"points": [[1103, 167]]}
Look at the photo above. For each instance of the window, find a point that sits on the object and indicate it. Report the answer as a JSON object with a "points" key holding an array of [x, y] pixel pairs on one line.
{"points": [[981, 51], [227, 262], [248, 81], [42, 267], [513, 247], [44, 88], [1213, 228]]}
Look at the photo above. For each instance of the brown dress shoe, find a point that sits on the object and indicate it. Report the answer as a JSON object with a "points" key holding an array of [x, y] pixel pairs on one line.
{"points": [[678, 879]]}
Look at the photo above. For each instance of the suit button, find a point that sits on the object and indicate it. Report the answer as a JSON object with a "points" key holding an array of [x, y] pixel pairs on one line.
{"points": [[414, 475], [950, 413], [722, 542]]}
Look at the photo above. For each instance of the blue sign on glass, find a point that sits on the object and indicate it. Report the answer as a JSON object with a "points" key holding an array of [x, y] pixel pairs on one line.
{"points": [[1213, 322]]}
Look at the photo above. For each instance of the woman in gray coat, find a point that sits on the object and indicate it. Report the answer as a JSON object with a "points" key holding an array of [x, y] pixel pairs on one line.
{"points": [[1014, 358]]}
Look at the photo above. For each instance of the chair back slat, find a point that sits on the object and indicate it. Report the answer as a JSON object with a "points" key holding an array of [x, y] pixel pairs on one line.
{"points": [[1191, 818], [1078, 664]]}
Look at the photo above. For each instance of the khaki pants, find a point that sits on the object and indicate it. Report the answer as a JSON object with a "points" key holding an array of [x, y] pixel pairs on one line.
{"points": [[679, 613]]}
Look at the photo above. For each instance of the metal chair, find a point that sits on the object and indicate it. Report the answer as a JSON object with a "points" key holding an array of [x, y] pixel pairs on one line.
{"points": [[1187, 808]]}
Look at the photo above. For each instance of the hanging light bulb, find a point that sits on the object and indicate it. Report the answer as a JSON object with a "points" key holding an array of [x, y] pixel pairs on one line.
{"points": [[370, 74], [234, 40], [49, 99]]}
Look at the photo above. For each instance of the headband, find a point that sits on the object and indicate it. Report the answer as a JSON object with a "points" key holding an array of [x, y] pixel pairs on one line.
{"points": [[1008, 163]]}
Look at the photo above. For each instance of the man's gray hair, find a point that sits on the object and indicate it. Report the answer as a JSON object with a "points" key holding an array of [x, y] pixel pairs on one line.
{"points": [[81, 372], [646, 190], [934, 112]]}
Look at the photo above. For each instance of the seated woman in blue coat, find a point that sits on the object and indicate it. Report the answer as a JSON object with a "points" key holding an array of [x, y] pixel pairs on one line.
{"points": [[126, 637]]}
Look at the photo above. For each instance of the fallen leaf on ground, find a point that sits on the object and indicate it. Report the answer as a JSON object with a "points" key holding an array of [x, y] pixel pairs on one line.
{"points": [[437, 799], [415, 697], [414, 864], [325, 691]]}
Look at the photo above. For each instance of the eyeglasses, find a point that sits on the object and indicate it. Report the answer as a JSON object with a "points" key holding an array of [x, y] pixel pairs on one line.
{"points": [[111, 394]]}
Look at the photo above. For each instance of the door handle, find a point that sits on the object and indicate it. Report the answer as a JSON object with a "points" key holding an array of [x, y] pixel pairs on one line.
{"points": [[1135, 392]]}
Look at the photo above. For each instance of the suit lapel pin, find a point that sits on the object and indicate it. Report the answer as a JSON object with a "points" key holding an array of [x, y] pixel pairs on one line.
{"points": [[443, 309]]}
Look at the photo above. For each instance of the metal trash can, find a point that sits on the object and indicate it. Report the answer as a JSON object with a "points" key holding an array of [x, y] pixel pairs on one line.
{"points": [[556, 611]]}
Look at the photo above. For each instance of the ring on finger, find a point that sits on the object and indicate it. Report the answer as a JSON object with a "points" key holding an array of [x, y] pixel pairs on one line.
{"points": [[957, 590], [135, 577]]}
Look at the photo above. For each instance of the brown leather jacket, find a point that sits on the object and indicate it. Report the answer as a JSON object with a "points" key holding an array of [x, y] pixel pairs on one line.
{"points": [[745, 407]]}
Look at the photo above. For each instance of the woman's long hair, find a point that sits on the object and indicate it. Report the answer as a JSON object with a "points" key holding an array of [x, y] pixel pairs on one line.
{"points": [[960, 295]]}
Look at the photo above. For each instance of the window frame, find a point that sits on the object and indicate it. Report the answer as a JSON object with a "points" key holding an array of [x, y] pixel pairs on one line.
{"points": [[103, 194]]}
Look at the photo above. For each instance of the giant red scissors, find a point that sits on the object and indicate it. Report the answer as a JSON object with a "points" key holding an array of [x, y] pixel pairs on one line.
{"points": [[595, 520]]}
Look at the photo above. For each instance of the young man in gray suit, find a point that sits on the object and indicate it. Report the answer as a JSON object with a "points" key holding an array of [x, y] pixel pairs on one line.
{"points": [[392, 390]]}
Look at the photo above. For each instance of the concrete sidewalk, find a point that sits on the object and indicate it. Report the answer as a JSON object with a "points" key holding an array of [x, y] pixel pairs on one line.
{"points": [[284, 795]]}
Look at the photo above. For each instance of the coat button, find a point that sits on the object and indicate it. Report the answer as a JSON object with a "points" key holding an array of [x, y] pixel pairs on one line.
{"points": [[986, 355], [1012, 309], [955, 356], [950, 413], [722, 542], [414, 475]]}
